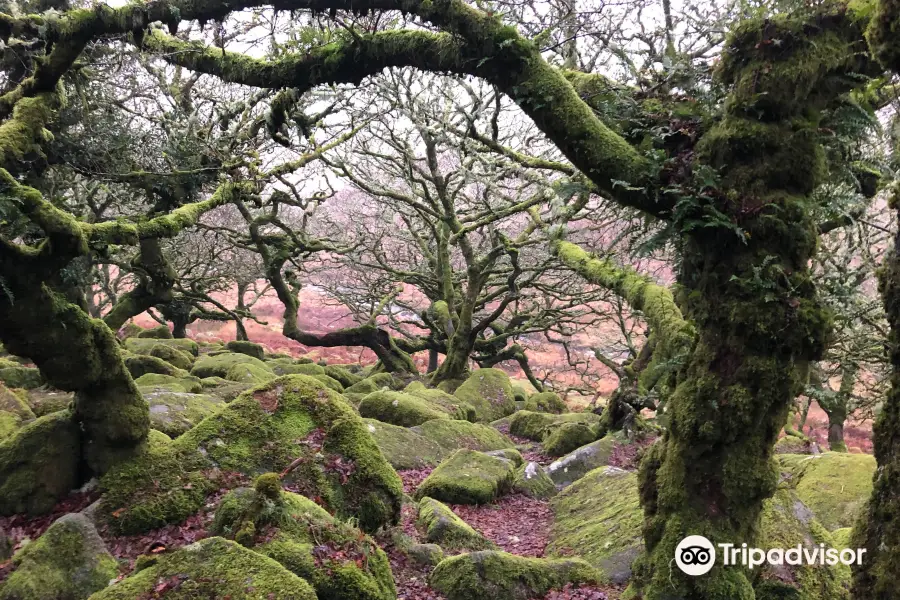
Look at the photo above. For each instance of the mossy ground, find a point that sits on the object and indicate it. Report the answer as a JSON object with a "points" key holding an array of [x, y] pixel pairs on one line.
{"points": [[443, 527], [489, 392], [834, 485], [468, 477], [453, 405], [455, 434]]}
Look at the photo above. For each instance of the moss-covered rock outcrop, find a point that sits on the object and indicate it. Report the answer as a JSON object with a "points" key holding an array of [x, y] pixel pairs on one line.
{"points": [[291, 422], [578, 463], [208, 569], [452, 404], [398, 408], [145, 346], [335, 558], [489, 392], [342, 375], [139, 365], [174, 412], [547, 402], [68, 562], [44, 401], [296, 368], [563, 438], [403, 447], [219, 365], [536, 426], [250, 373], [599, 518], [456, 434], [39, 464], [491, 575], [469, 477], [443, 527], [248, 348], [14, 412], [532, 480], [21, 377], [157, 333], [190, 384], [174, 356]]}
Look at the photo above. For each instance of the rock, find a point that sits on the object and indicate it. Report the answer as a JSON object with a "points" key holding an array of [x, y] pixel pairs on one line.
{"points": [[330, 383], [46, 401], [452, 404], [175, 357], [790, 444], [210, 568], [68, 562], [248, 348], [14, 412], [468, 477], [141, 364], [489, 392], [786, 522], [342, 375], [293, 368], [428, 555], [219, 365], [173, 411], [599, 518], [223, 389], [249, 373], [575, 465], [834, 485], [442, 526], [21, 377], [532, 480], [403, 447], [145, 346], [546, 402], [519, 394], [509, 454], [454, 434], [188, 384], [158, 333], [535, 426], [566, 437], [492, 575], [338, 560], [372, 384], [292, 420], [39, 464], [400, 409]]}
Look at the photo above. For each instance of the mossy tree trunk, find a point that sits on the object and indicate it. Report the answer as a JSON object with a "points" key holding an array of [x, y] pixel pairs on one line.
{"points": [[155, 280], [745, 283]]}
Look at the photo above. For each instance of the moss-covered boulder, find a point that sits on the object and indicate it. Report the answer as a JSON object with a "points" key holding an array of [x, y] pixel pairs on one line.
{"points": [[519, 394], [790, 444], [174, 356], [21, 377], [452, 404], [469, 477], [14, 412], [566, 437], [427, 555], [248, 348], [455, 434], [511, 454], [223, 389], [578, 463], [157, 333], [189, 384], [39, 464], [292, 421], [398, 408], [535, 426], [139, 365], [373, 383], [330, 383], [443, 527], [293, 368], [145, 346], [6, 363], [44, 401], [599, 518], [219, 365], [546, 402], [68, 562], [492, 575], [338, 560], [532, 480], [343, 375], [834, 485], [785, 523], [489, 392], [250, 373], [173, 411], [210, 569], [403, 447]]}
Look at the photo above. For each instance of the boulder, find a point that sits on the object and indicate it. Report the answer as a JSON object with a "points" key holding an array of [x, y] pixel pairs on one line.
{"points": [[576, 464], [294, 368], [250, 373], [211, 568], [546, 402], [21, 377], [248, 348], [599, 518], [535, 426], [339, 561], [452, 404], [455, 434], [427, 555], [219, 365], [188, 384], [443, 527], [175, 357], [145, 346], [68, 562], [532, 480], [509, 454], [489, 392], [44, 401], [468, 477], [492, 575], [398, 408], [342, 375], [292, 423], [14, 412], [173, 411], [403, 447], [790, 444], [158, 333], [566, 437], [330, 383], [139, 365]]}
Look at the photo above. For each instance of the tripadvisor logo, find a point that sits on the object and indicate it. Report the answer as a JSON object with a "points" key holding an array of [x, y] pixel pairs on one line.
{"points": [[695, 555]]}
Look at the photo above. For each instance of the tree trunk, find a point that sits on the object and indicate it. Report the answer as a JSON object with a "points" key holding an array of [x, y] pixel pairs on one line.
{"points": [[836, 434], [433, 356], [456, 361], [156, 280]]}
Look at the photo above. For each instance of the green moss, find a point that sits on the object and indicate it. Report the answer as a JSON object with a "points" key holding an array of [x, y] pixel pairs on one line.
{"points": [[834, 485], [173, 412], [218, 365], [456, 407], [452, 435], [332, 384], [212, 568], [490, 575], [532, 480], [842, 537], [69, 561], [792, 445], [249, 373], [519, 394], [372, 384], [535, 426], [546, 402], [403, 447], [578, 463], [175, 357], [489, 392], [8, 364], [39, 464], [599, 518], [298, 369], [343, 375], [268, 485], [13, 404], [140, 364], [443, 527], [145, 346], [46, 401], [337, 559], [248, 348], [469, 477], [400, 409], [9, 423], [158, 333], [21, 377], [563, 438], [191, 385]]}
